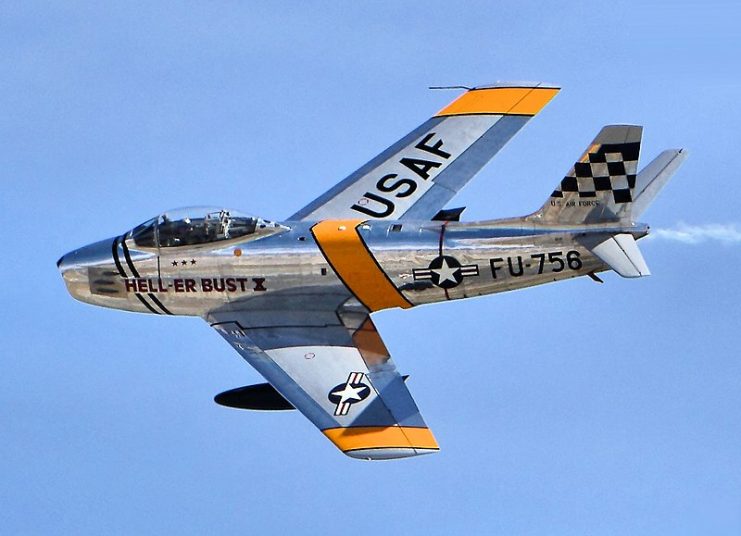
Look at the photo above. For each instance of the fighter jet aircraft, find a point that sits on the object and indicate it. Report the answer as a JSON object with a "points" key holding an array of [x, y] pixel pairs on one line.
{"points": [[294, 298]]}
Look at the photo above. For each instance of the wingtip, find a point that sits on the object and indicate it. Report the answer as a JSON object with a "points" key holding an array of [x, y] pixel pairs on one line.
{"points": [[380, 454], [518, 84], [505, 98]]}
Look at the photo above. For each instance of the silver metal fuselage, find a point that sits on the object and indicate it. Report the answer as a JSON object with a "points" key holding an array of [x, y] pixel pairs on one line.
{"points": [[479, 258]]}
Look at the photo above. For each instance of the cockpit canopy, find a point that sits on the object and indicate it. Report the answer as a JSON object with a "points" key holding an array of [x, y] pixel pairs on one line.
{"points": [[200, 225]]}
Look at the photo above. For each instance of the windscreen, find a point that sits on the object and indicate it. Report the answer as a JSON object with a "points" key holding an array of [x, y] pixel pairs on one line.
{"points": [[186, 229], [192, 226]]}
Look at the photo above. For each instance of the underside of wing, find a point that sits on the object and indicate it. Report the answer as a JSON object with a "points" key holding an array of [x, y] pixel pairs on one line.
{"points": [[416, 176], [325, 357]]}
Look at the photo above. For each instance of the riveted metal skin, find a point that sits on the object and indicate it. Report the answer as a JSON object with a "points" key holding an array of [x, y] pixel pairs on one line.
{"points": [[295, 298], [115, 273]]}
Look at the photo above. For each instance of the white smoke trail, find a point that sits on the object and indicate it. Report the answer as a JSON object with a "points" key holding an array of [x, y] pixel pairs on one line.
{"points": [[725, 233]]}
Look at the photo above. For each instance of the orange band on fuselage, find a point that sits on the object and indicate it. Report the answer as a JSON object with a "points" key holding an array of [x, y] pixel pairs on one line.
{"points": [[501, 100], [355, 265], [379, 437]]}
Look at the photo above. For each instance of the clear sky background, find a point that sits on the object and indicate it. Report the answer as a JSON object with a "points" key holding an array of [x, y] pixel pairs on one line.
{"points": [[573, 408]]}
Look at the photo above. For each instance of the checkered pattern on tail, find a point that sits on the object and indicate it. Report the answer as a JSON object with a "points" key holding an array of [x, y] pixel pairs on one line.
{"points": [[604, 167]]}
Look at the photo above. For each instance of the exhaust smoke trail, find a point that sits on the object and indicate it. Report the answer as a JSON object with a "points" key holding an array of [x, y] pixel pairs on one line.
{"points": [[725, 233]]}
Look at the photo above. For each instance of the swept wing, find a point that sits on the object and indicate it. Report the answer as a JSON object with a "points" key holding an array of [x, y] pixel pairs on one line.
{"points": [[416, 176], [322, 353]]}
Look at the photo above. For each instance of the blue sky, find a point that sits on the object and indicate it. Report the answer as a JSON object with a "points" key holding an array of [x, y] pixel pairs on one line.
{"points": [[573, 408]]}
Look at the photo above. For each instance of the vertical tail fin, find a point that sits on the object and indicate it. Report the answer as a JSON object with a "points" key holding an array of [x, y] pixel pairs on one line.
{"points": [[600, 185], [654, 177], [603, 186]]}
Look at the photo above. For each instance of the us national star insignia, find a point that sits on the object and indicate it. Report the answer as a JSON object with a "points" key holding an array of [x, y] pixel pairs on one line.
{"points": [[445, 272]]}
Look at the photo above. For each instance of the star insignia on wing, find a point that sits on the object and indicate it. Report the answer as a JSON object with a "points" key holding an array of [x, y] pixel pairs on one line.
{"points": [[349, 393]]}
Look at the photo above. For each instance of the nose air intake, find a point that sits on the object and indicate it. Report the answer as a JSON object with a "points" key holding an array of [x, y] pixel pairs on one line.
{"points": [[85, 271], [91, 255]]}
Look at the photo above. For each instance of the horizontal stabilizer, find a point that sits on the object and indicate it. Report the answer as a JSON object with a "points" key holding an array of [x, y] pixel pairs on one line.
{"points": [[620, 252]]}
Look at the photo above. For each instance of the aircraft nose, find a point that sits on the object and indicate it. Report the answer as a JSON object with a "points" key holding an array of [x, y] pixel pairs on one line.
{"points": [[84, 257], [77, 267], [60, 262]]}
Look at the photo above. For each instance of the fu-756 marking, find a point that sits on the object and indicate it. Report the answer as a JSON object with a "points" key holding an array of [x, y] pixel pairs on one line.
{"points": [[294, 298], [555, 259]]}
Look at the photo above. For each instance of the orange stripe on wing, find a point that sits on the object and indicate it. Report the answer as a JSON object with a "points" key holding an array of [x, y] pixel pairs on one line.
{"points": [[379, 437], [369, 343], [501, 100], [355, 265]]}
